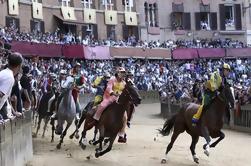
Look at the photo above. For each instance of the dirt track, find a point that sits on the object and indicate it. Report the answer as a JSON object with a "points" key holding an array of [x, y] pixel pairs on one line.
{"points": [[142, 150]]}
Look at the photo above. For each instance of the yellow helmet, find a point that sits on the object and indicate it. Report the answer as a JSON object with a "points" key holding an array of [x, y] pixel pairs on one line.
{"points": [[226, 66]]}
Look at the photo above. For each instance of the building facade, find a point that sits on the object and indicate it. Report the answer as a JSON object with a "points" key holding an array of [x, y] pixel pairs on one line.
{"points": [[146, 19]]}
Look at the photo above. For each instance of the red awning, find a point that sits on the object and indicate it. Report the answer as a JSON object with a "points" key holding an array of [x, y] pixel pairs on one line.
{"points": [[178, 2], [205, 2]]}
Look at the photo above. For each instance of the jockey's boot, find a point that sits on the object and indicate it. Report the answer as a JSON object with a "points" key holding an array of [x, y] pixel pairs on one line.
{"points": [[122, 139]]}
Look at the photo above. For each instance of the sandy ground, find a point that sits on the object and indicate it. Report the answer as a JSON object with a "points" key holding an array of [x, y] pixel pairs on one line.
{"points": [[142, 150]]}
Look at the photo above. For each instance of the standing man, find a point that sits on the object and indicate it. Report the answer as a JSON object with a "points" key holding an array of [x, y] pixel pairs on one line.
{"points": [[7, 79]]}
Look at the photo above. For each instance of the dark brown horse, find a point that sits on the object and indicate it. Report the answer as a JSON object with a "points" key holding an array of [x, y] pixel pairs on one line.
{"points": [[210, 123], [111, 121]]}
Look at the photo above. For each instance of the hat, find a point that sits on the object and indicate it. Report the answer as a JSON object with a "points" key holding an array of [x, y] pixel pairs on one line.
{"points": [[226, 66]]}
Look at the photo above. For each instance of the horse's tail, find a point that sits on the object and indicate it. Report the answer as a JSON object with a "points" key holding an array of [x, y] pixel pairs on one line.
{"points": [[168, 125]]}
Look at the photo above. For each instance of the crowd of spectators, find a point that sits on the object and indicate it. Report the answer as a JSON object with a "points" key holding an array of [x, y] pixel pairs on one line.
{"points": [[11, 33], [175, 78]]}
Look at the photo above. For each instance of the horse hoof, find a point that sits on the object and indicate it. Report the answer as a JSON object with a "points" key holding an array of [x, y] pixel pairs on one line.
{"points": [[97, 154], [212, 146], [83, 146], [206, 152], [71, 137], [58, 146], [163, 161], [196, 160], [52, 141], [98, 150], [43, 136], [91, 142], [34, 136], [77, 136]]}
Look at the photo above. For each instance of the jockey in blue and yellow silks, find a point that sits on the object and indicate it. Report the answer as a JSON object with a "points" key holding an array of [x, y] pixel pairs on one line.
{"points": [[211, 86], [100, 83]]}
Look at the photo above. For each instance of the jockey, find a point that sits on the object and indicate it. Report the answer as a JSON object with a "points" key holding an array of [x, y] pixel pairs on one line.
{"points": [[51, 87], [79, 80], [211, 86], [100, 83], [114, 88], [129, 76]]}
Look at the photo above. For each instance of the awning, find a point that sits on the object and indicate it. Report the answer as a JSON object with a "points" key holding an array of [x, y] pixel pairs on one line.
{"points": [[72, 22], [205, 2], [178, 2]]}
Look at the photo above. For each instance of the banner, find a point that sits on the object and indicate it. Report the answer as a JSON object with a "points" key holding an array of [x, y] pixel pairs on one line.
{"points": [[127, 52], [131, 18], [185, 53], [37, 10], [13, 7], [36, 49], [238, 52], [211, 52], [111, 17], [90, 16], [73, 51], [98, 52], [68, 13]]}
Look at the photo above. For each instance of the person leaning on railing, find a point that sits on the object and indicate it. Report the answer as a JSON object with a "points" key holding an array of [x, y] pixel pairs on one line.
{"points": [[7, 79]]}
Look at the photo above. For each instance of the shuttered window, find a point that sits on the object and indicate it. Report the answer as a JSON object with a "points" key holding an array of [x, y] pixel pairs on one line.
{"points": [[222, 17], [213, 21], [187, 21], [238, 23]]}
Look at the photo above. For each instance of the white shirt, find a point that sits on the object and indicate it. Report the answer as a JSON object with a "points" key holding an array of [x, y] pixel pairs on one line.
{"points": [[6, 83]]}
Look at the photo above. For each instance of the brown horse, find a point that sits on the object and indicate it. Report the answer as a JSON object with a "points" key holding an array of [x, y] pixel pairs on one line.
{"points": [[210, 123], [111, 121]]}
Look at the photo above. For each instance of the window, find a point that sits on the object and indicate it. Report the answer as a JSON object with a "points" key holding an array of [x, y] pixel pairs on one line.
{"points": [[128, 3], [12, 22], [229, 17], [66, 2], [107, 4], [180, 21], [177, 21], [87, 4], [111, 32], [151, 14]]}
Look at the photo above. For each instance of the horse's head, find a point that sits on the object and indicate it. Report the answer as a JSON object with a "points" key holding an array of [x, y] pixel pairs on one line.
{"points": [[131, 91], [227, 95]]}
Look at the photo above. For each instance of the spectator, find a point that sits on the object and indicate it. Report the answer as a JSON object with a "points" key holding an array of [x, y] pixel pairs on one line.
{"points": [[7, 78]]}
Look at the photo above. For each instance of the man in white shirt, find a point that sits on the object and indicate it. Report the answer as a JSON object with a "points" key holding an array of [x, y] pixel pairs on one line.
{"points": [[7, 76]]}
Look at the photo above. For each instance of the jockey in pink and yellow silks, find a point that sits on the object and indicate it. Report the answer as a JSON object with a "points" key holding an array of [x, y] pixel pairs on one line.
{"points": [[114, 88]]}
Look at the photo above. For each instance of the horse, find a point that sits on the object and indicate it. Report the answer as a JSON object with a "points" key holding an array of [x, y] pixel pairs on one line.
{"points": [[66, 112], [210, 123], [42, 110], [111, 121], [86, 110]]}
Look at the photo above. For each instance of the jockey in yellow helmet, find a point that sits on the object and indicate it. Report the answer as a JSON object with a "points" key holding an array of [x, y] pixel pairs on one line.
{"points": [[211, 86]]}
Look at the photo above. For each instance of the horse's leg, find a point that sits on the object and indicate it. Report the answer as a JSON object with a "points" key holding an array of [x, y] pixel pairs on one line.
{"points": [[95, 134], [109, 148], [78, 125], [45, 125], [170, 145], [221, 137], [83, 140], [205, 134], [38, 126], [101, 138], [192, 148], [52, 129], [63, 135]]}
